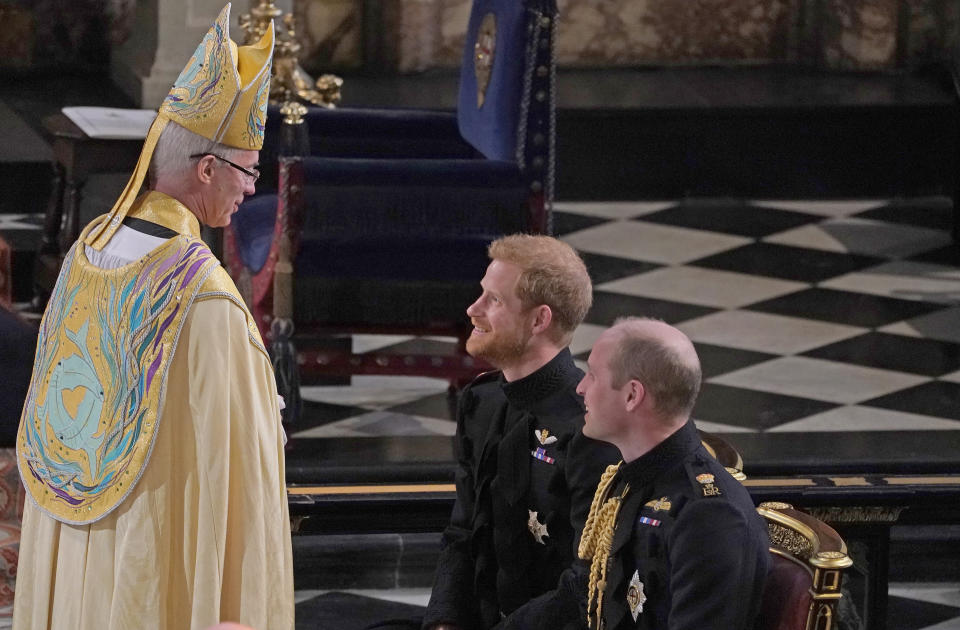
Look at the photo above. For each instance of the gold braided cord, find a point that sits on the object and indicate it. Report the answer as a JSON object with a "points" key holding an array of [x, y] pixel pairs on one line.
{"points": [[587, 539], [597, 539]]}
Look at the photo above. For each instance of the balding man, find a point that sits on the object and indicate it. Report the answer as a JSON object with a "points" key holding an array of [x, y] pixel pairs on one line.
{"points": [[672, 540]]}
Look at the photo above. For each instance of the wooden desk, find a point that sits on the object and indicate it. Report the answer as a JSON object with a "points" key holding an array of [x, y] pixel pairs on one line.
{"points": [[76, 157]]}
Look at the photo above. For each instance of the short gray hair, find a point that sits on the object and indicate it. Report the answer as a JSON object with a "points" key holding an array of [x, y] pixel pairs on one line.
{"points": [[673, 382], [175, 146]]}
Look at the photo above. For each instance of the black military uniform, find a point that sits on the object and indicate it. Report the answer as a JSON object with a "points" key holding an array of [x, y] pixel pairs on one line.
{"points": [[525, 479], [689, 550]]}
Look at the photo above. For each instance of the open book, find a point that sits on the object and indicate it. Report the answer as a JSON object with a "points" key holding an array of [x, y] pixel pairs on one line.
{"points": [[111, 123]]}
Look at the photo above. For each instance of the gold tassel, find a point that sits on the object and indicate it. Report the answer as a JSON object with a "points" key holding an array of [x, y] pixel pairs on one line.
{"points": [[597, 539]]}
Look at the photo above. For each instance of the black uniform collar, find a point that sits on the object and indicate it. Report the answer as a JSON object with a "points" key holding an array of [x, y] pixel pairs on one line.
{"points": [[524, 393], [645, 468]]}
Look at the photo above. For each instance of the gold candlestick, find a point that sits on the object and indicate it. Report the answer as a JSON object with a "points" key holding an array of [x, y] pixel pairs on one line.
{"points": [[290, 81]]}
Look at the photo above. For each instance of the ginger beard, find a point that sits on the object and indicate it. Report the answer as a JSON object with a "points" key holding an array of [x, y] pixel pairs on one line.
{"points": [[500, 346]]}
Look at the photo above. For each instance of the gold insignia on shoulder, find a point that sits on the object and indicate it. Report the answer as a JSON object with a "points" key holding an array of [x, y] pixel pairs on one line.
{"points": [[636, 596], [709, 490], [538, 529], [544, 437], [657, 505]]}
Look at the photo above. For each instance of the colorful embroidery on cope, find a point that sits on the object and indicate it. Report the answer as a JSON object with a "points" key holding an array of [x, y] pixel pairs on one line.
{"points": [[102, 355], [197, 89]]}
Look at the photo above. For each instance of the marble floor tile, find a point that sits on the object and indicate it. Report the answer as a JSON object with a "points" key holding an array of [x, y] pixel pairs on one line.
{"points": [[717, 427], [650, 242], [31, 221], [566, 222], [730, 216], [369, 343], [930, 212], [943, 325], [316, 413], [584, 337], [936, 398], [904, 280], [914, 355], [862, 236], [819, 379], [911, 614], [752, 409], [376, 392], [706, 287], [946, 593], [948, 255], [432, 406], [825, 208], [763, 332], [789, 263], [608, 306], [845, 307], [606, 268], [953, 377], [413, 596], [612, 209], [857, 418], [717, 360], [381, 424]]}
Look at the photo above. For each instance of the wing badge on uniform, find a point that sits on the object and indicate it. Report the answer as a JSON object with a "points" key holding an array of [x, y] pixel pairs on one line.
{"points": [[635, 596], [658, 505], [544, 437]]}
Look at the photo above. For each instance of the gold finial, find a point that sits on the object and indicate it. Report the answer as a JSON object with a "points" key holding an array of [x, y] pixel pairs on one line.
{"points": [[290, 81], [293, 113]]}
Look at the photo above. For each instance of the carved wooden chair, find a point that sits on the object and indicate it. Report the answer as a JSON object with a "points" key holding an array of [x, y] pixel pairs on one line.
{"points": [[724, 452], [381, 224], [809, 558]]}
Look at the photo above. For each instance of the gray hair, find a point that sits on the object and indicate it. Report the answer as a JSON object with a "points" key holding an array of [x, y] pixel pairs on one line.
{"points": [[175, 146], [672, 379]]}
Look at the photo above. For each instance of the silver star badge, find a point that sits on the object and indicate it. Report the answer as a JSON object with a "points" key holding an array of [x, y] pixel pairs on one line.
{"points": [[635, 596], [538, 529]]}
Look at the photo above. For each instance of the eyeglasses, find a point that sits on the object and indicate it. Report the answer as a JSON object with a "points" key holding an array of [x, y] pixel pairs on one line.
{"points": [[254, 174]]}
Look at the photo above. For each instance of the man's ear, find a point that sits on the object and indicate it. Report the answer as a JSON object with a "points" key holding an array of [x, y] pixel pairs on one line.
{"points": [[543, 317], [204, 168], [636, 392]]}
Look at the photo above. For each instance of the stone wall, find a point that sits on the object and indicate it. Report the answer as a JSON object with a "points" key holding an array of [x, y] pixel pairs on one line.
{"points": [[62, 34], [418, 35]]}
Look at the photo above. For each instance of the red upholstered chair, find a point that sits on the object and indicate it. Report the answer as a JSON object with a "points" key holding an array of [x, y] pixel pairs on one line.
{"points": [[809, 557]]}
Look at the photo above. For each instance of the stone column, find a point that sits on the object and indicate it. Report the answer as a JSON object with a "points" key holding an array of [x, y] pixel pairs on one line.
{"points": [[165, 33]]}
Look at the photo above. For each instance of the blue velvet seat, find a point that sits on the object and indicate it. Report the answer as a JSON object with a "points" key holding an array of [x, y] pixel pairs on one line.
{"points": [[382, 225]]}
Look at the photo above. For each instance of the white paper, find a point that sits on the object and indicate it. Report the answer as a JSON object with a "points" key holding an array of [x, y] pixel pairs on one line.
{"points": [[112, 123]]}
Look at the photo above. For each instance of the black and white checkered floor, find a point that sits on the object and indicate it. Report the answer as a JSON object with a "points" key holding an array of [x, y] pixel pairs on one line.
{"points": [[808, 316]]}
